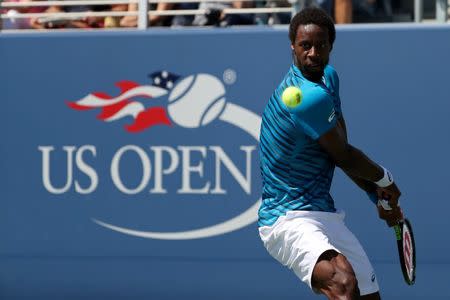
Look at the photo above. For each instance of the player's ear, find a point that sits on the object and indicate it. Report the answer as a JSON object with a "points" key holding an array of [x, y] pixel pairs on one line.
{"points": [[293, 50]]}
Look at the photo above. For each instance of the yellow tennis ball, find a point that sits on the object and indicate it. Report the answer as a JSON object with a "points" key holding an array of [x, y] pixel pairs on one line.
{"points": [[292, 96]]}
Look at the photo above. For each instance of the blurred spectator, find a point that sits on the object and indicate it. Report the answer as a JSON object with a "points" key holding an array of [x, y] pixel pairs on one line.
{"points": [[339, 10], [57, 22], [277, 18], [215, 15], [369, 11], [154, 20], [343, 11], [184, 20], [20, 23], [77, 22], [114, 22]]}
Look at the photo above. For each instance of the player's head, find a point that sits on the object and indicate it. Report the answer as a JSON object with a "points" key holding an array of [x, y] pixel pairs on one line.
{"points": [[312, 35]]}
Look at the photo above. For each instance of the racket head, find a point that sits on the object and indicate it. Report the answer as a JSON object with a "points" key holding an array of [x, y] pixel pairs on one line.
{"points": [[407, 251]]}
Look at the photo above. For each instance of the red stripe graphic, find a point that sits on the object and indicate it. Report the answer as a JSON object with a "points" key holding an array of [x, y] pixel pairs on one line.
{"points": [[75, 106], [111, 110], [151, 117], [126, 85], [124, 105], [101, 95]]}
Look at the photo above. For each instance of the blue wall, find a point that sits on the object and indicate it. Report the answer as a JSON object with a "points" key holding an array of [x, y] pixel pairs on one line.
{"points": [[395, 93]]}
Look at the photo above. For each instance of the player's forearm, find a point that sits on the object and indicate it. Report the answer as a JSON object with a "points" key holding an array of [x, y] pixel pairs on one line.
{"points": [[356, 164], [367, 186]]}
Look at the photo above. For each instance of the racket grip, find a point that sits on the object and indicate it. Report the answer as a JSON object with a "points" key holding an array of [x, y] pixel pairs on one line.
{"points": [[398, 232]]}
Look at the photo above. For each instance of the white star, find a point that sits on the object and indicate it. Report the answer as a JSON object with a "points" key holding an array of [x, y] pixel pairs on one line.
{"points": [[157, 80], [169, 84], [164, 74]]}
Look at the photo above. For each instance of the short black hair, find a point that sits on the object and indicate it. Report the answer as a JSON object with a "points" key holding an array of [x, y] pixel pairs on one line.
{"points": [[312, 15]]}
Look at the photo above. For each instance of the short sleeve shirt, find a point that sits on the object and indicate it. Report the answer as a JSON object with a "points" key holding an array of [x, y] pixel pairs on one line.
{"points": [[296, 171]]}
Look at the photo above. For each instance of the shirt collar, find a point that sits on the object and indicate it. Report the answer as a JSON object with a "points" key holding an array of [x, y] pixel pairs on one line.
{"points": [[296, 71]]}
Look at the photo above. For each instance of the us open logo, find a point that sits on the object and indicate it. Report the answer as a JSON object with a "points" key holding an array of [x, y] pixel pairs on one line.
{"points": [[193, 102]]}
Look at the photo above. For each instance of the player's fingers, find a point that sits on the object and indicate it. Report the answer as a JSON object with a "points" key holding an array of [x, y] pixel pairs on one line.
{"points": [[390, 193], [396, 217], [390, 219], [398, 213], [391, 216], [391, 198], [379, 193], [393, 191], [382, 213]]}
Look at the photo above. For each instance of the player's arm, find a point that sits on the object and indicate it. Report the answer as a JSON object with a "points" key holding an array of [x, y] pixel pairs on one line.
{"points": [[350, 159], [367, 186], [316, 115], [355, 163]]}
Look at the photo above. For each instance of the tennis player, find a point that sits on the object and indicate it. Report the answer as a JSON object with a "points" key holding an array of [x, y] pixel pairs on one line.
{"points": [[299, 149]]}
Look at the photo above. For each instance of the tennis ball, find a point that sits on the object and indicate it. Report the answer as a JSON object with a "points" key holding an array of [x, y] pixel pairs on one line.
{"points": [[292, 96]]}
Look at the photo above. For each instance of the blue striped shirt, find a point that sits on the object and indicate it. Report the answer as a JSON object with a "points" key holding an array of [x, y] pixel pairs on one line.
{"points": [[296, 172]]}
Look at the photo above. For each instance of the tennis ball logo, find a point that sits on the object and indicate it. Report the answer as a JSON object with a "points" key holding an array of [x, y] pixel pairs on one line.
{"points": [[292, 96], [196, 100]]}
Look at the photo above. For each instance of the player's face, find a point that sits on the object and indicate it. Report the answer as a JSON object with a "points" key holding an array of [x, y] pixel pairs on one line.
{"points": [[312, 50]]}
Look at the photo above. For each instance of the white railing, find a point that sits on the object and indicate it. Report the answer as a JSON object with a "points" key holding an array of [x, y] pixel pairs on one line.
{"points": [[143, 12], [442, 10]]}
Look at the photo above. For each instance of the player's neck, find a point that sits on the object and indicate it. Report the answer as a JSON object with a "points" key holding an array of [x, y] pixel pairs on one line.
{"points": [[313, 77], [316, 78]]}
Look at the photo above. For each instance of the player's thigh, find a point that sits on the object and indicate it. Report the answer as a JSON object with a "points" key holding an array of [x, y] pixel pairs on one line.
{"points": [[297, 241], [333, 276], [350, 247]]}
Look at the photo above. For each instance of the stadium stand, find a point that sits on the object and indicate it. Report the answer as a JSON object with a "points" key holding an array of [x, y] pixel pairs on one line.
{"points": [[17, 14]]}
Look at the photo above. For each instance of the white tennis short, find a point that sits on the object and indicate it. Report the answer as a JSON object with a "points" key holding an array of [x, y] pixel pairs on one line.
{"points": [[298, 239]]}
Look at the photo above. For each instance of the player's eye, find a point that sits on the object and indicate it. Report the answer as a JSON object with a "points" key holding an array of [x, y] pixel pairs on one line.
{"points": [[305, 45], [323, 45]]}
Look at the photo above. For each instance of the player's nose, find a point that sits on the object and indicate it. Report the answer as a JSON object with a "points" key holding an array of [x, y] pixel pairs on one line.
{"points": [[313, 52]]}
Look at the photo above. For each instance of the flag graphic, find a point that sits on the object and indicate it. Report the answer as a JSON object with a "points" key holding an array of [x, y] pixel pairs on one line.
{"points": [[124, 105]]}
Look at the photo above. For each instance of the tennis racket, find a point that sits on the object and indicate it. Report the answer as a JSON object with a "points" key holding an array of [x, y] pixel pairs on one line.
{"points": [[406, 250], [406, 246]]}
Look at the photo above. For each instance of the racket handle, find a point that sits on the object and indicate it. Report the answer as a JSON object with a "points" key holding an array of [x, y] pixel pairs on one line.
{"points": [[398, 231]]}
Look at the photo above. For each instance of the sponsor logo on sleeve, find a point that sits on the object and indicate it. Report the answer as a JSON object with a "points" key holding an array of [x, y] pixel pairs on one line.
{"points": [[332, 115]]}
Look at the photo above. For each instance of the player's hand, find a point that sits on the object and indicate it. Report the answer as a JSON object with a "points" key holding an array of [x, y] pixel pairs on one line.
{"points": [[392, 216], [391, 193]]}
